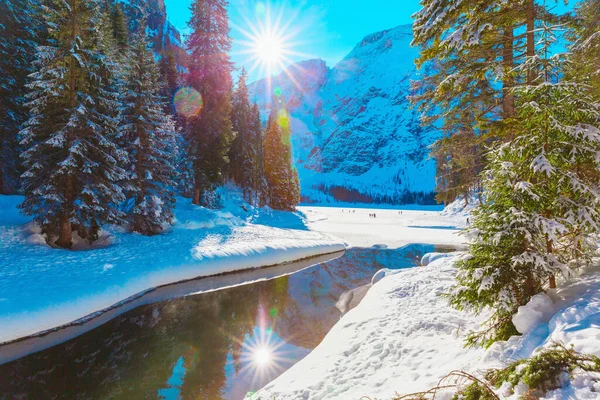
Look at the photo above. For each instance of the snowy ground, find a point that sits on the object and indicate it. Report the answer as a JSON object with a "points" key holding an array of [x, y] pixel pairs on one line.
{"points": [[391, 228], [403, 338], [42, 288]]}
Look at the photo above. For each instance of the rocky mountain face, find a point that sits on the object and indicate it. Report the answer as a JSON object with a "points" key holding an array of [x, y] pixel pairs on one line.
{"points": [[355, 137], [166, 38]]}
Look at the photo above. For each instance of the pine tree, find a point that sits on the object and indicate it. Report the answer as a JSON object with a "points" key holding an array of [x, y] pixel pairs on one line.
{"points": [[209, 133], [242, 152], [149, 139], [259, 180], [20, 30], [282, 178], [459, 163], [585, 39], [71, 182], [469, 59], [542, 205], [119, 27], [170, 77]]}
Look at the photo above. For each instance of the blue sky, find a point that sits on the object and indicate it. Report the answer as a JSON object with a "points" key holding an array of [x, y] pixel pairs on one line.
{"points": [[326, 29]]}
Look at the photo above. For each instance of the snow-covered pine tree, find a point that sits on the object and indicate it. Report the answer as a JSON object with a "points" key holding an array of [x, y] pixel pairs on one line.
{"points": [[469, 55], [73, 165], [585, 39], [118, 24], [259, 181], [20, 30], [541, 204], [170, 77], [242, 153], [209, 133], [463, 47], [282, 179], [149, 138]]}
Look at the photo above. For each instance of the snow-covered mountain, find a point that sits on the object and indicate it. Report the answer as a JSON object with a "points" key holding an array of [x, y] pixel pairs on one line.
{"points": [[355, 137], [165, 36]]}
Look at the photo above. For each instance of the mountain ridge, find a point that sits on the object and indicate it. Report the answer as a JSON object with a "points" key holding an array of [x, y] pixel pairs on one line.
{"points": [[355, 137]]}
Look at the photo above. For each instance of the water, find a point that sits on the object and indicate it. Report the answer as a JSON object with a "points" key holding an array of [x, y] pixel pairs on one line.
{"points": [[214, 346]]}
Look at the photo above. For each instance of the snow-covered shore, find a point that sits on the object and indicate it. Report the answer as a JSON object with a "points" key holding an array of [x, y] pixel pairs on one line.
{"points": [[42, 288], [403, 337]]}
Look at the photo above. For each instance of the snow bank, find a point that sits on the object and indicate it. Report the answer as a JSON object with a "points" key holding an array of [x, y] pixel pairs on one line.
{"points": [[460, 207], [431, 257], [538, 310], [42, 288], [403, 337]]}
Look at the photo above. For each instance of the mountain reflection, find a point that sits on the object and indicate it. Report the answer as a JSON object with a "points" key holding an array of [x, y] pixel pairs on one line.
{"points": [[199, 347]]}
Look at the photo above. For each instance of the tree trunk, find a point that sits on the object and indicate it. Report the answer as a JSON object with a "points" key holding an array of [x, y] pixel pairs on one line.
{"points": [[550, 250], [508, 59], [196, 199], [65, 235], [530, 38], [1, 180]]}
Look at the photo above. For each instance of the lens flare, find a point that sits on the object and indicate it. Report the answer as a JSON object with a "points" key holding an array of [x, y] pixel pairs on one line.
{"points": [[188, 102], [283, 119], [260, 8]]}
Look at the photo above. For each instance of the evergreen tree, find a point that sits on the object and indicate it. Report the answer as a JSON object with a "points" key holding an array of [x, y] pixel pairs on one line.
{"points": [[259, 181], [72, 162], [242, 152], [469, 59], [149, 139], [585, 39], [458, 162], [170, 78], [20, 30], [118, 23], [209, 133], [542, 205], [282, 178]]}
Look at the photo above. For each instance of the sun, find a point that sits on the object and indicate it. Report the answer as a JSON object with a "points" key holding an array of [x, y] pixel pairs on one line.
{"points": [[270, 41], [262, 356], [269, 49]]}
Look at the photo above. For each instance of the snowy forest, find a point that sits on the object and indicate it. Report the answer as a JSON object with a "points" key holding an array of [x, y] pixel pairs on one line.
{"points": [[516, 89], [96, 128]]}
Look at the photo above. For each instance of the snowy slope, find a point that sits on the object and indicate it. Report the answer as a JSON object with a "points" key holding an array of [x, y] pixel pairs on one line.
{"points": [[42, 288], [355, 138], [404, 337]]}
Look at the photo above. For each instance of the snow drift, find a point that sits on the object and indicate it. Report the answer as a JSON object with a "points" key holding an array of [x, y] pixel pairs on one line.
{"points": [[42, 288], [404, 337]]}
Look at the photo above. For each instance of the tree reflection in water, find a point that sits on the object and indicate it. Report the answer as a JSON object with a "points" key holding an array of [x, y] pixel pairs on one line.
{"points": [[203, 346]]}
